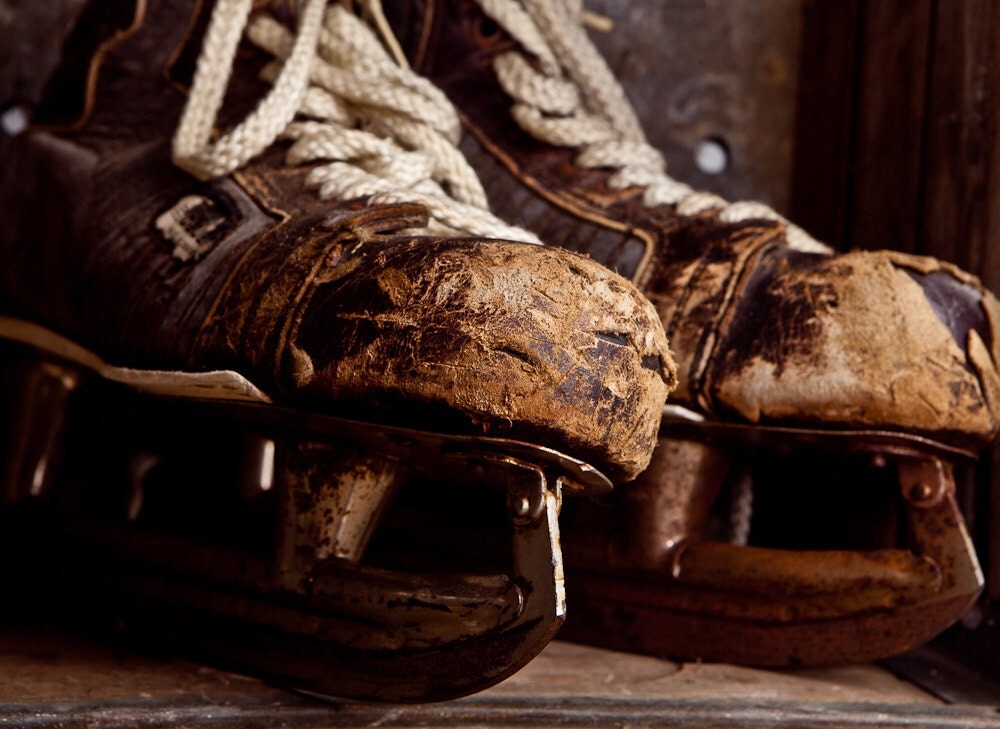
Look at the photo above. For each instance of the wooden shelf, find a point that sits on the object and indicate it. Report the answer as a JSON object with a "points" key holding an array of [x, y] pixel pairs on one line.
{"points": [[50, 679]]}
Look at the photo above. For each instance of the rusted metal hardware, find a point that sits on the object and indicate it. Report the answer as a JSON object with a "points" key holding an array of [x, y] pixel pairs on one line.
{"points": [[231, 528], [644, 578]]}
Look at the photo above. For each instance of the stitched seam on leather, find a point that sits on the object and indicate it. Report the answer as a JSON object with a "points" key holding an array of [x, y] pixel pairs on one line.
{"points": [[566, 203], [742, 270], [249, 186], [94, 69], [179, 48], [304, 291], [681, 305], [426, 29]]}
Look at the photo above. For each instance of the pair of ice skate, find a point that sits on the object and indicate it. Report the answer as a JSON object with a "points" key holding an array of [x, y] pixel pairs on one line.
{"points": [[306, 259]]}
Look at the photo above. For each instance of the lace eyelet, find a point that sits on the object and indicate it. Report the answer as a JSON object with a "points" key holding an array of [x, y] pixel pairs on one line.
{"points": [[484, 32], [488, 28]]}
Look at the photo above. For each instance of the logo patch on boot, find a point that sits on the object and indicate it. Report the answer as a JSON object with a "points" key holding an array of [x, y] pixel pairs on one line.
{"points": [[195, 225]]}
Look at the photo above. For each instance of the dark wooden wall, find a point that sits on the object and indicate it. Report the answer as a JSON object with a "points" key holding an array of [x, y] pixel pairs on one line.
{"points": [[915, 156]]}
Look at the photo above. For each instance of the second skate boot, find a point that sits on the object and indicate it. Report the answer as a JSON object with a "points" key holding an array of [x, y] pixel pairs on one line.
{"points": [[878, 361]]}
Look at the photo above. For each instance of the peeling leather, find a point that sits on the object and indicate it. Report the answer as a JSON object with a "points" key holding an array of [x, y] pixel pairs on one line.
{"points": [[848, 338], [329, 306], [759, 332], [492, 332]]}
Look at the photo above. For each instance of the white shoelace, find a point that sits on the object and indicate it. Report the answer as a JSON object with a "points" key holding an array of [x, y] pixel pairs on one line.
{"points": [[376, 130], [569, 97]]}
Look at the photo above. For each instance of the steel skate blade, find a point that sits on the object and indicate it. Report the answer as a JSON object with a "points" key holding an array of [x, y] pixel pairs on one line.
{"points": [[211, 521], [643, 578]]}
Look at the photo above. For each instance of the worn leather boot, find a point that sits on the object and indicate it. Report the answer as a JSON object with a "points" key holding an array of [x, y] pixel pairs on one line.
{"points": [[780, 343], [362, 277]]}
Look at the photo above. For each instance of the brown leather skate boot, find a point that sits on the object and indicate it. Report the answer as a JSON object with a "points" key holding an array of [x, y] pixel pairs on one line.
{"points": [[878, 356], [182, 352]]}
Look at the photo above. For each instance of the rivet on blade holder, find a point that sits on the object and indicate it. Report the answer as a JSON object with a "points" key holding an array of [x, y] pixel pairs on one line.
{"points": [[922, 484]]}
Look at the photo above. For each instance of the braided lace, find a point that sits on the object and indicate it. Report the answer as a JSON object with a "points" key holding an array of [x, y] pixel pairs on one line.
{"points": [[567, 96], [377, 130]]}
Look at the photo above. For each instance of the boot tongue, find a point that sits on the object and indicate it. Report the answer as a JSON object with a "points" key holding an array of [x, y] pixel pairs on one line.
{"points": [[68, 95], [246, 86], [181, 70]]}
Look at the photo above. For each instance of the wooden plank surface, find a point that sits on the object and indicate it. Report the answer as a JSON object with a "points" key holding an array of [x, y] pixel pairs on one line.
{"points": [[49, 679], [47, 666]]}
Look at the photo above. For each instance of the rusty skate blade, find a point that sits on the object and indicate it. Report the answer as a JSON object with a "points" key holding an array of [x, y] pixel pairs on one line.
{"points": [[228, 392], [682, 424], [645, 574], [213, 522]]}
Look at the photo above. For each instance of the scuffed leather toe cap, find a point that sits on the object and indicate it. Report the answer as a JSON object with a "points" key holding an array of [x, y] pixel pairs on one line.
{"points": [[505, 339], [864, 339]]}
